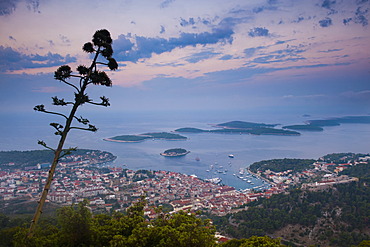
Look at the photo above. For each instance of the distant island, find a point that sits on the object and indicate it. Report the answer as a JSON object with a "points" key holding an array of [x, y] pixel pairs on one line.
{"points": [[340, 120], [146, 136], [244, 125], [175, 152], [304, 127], [251, 128], [241, 127]]}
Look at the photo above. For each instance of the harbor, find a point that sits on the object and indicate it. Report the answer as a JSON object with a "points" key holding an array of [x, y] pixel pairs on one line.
{"points": [[220, 173]]}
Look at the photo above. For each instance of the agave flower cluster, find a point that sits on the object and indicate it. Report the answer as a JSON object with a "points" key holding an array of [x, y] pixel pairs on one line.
{"points": [[100, 48]]}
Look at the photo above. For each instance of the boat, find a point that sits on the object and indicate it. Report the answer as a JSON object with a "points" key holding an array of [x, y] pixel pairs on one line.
{"points": [[197, 159], [214, 180], [231, 156]]}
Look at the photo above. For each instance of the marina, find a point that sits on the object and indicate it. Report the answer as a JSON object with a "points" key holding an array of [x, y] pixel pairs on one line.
{"points": [[251, 181]]}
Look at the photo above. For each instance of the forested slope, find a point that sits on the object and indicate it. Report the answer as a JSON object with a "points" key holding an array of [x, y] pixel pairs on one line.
{"points": [[338, 216]]}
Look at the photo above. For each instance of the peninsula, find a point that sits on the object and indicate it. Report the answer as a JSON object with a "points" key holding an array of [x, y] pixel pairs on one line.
{"points": [[40, 159]]}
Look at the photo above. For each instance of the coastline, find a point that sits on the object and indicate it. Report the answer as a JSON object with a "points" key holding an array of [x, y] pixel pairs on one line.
{"points": [[260, 177], [113, 140], [166, 139], [174, 155]]}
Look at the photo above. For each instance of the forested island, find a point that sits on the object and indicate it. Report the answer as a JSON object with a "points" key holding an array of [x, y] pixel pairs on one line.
{"points": [[336, 121], [175, 152], [304, 127], [241, 127], [146, 136], [244, 125]]}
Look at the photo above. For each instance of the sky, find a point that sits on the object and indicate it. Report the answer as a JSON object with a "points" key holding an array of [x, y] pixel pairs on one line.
{"points": [[306, 57]]}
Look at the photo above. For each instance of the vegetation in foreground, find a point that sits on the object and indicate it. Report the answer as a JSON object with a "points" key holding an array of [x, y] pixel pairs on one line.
{"points": [[76, 226], [333, 216]]}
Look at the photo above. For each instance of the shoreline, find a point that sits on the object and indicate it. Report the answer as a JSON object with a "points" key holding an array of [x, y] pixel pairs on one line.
{"points": [[166, 139], [174, 155], [260, 177], [113, 140]]}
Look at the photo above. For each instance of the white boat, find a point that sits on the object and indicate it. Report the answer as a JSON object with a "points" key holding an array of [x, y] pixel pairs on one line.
{"points": [[214, 180], [231, 156]]}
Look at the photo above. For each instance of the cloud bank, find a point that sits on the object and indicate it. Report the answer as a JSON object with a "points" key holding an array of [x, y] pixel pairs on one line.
{"points": [[11, 60]]}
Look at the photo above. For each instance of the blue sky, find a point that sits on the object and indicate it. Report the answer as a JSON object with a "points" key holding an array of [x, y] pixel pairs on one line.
{"points": [[309, 56]]}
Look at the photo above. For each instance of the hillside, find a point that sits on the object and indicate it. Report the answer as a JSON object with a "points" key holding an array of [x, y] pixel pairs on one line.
{"points": [[11, 160], [337, 216]]}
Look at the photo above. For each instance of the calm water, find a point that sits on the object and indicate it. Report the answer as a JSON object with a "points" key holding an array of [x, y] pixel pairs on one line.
{"points": [[22, 133]]}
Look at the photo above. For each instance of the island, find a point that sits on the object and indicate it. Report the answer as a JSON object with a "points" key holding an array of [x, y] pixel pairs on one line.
{"points": [[190, 130], [175, 152], [323, 123], [336, 121], [241, 127], [146, 136], [304, 127]]}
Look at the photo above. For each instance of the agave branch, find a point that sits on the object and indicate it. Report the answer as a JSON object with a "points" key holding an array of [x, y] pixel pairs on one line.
{"points": [[100, 45], [104, 102], [58, 127], [57, 101], [41, 108], [67, 151], [91, 128], [70, 84], [42, 143], [82, 120]]}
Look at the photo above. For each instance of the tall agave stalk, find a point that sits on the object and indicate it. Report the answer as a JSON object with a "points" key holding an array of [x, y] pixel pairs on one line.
{"points": [[101, 46]]}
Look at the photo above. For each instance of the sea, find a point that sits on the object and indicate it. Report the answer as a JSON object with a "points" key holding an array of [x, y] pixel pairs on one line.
{"points": [[209, 155]]}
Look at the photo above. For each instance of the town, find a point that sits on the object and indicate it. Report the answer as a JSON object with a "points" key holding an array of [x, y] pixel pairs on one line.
{"points": [[116, 188]]}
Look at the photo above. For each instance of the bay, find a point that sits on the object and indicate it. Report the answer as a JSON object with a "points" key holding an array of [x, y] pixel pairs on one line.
{"points": [[21, 132]]}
